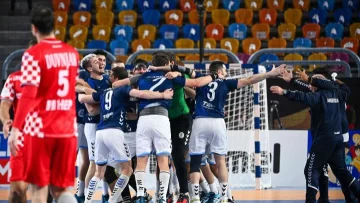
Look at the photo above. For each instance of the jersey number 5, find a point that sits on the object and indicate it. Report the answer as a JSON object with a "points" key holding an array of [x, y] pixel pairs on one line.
{"points": [[211, 94], [63, 81], [108, 96]]}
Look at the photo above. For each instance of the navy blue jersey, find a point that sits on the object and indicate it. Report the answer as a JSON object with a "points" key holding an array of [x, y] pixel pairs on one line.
{"points": [[131, 125], [113, 104], [156, 81], [210, 99], [97, 85], [80, 107]]}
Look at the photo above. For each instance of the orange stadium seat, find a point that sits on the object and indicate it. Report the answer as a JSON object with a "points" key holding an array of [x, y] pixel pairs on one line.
{"points": [[277, 43], [244, 16], [82, 18], [325, 42], [219, 57], [194, 17], [260, 31], [301, 4], [140, 44], [174, 17], [76, 44], [104, 17], [287, 31], [60, 33], [187, 5], [145, 57], [294, 57], [104, 5], [311, 31], [251, 45], [220, 16], [147, 31], [293, 15], [355, 30], [316, 56], [78, 32], [268, 16], [60, 18], [61, 5], [230, 44], [128, 17], [254, 5], [350, 43], [122, 57], [192, 57], [215, 31], [276, 4], [184, 44], [101, 32], [210, 5]]}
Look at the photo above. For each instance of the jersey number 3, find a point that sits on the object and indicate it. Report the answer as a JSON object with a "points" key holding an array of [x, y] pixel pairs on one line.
{"points": [[63, 81], [211, 94]]}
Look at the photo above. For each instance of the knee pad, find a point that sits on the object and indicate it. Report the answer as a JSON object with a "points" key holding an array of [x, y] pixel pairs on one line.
{"points": [[110, 175], [195, 163]]}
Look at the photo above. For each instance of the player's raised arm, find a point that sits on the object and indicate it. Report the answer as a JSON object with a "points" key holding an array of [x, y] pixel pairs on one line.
{"points": [[88, 99], [145, 94], [198, 82], [174, 68], [127, 81], [261, 76], [310, 98], [190, 92]]}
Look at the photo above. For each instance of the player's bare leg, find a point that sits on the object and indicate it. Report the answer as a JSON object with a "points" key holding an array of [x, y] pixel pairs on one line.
{"points": [[210, 178], [39, 194], [83, 169], [62, 195], [215, 171], [90, 173], [18, 192], [223, 175]]}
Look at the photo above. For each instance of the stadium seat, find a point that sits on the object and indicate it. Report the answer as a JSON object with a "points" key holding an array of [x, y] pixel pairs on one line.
{"points": [[209, 43], [128, 17], [352, 4], [76, 44], [104, 5], [302, 43], [144, 5], [145, 57], [187, 5], [210, 5], [326, 4], [78, 32], [243, 57], [61, 5], [174, 17], [169, 32], [254, 5], [82, 5], [335, 31], [311, 31], [166, 5], [151, 17], [268, 16], [146, 31], [96, 44], [82, 18], [122, 5], [101, 32], [230, 44], [183, 43], [193, 17], [316, 57], [294, 57], [293, 15], [339, 56], [60, 18], [287, 31], [325, 42], [215, 31], [244, 16], [260, 31], [220, 16], [343, 16], [219, 57], [355, 30], [268, 57], [122, 57], [119, 47], [231, 5], [123, 32], [251, 45], [163, 44], [318, 16], [238, 31], [192, 58], [104, 17], [301, 4], [277, 43], [140, 44], [350, 43], [191, 31], [60, 33], [278, 5]]}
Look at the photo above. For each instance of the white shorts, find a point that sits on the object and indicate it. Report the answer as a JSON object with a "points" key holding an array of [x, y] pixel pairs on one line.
{"points": [[208, 132], [82, 142], [111, 142], [90, 134], [130, 138], [153, 132]]}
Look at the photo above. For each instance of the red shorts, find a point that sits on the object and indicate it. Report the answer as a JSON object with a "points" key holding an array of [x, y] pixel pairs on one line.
{"points": [[51, 161], [17, 163]]}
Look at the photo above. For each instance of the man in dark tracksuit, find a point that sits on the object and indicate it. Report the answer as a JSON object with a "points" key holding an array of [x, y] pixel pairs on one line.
{"points": [[327, 137]]}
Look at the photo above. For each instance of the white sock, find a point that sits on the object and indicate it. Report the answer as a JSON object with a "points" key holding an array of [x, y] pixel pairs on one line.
{"points": [[91, 190], [80, 191], [175, 183], [105, 188], [66, 197], [120, 184], [190, 188], [140, 178], [119, 199], [85, 190], [229, 194], [164, 178], [205, 187], [195, 190], [224, 188], [213, 188], [171, 186]]}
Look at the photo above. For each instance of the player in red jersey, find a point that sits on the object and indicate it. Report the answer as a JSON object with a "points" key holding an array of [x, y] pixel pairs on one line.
{"points": [[47, 116]]}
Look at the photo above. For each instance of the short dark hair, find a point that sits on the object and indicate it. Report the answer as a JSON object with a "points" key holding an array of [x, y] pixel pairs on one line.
{"points": [[160, 60], [43, 19], [215, 66], [325, 71], [100, 52], [140, 61], [119, 72], [118, 61], [171, 55]]}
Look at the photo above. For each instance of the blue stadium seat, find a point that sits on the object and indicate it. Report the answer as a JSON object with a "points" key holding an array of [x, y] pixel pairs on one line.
{"points": [[334, 30], [343, 16], [166, 5], [163, 44], [231, 5], [169, 32], [192, 31], [302, 43], [82, 5], [237, 31], [96, 44], [119, 47], [268, 57], [326, 4], [318, 16], [123, 32], [151, 17], [122, 5], [144, 5], [352, 4]]}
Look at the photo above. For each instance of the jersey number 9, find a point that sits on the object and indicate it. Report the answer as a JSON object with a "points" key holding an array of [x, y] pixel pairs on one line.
{"points": [[108, 96]]}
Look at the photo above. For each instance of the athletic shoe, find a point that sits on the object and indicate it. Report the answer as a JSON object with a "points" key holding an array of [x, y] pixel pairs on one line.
{"points": [[231, 200], [183, 198], [160, 201], [80, 199], [195, 200], [203, 197], [213, 198], [148, 197], [140, 200], [105, 198], [169, 198]]}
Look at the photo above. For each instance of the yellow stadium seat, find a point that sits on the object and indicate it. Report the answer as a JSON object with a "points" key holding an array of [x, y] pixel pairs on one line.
{"points": [[174, 17], [220, 16], [147, 32], [215, 31], [76, 44], [350, 43], [209, 43], [61, 5], [140, 44], [194, 17], [301, 4], [219, 57], [254, 5], [268, 16], [277, 43], [104, 5], [78, 32], [60, 33], [192, 58], [278, 5], [230, 44], [210, 5], [355, 30], [60, 18], [311, 31], [104, 17], [128, 17], [251, 45], [184, 44], [244, 16], [145, 57], [82, 18], [294, 57], [287, 31], [260, 31], [101, 32], [293, 15], [317, 57]]}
